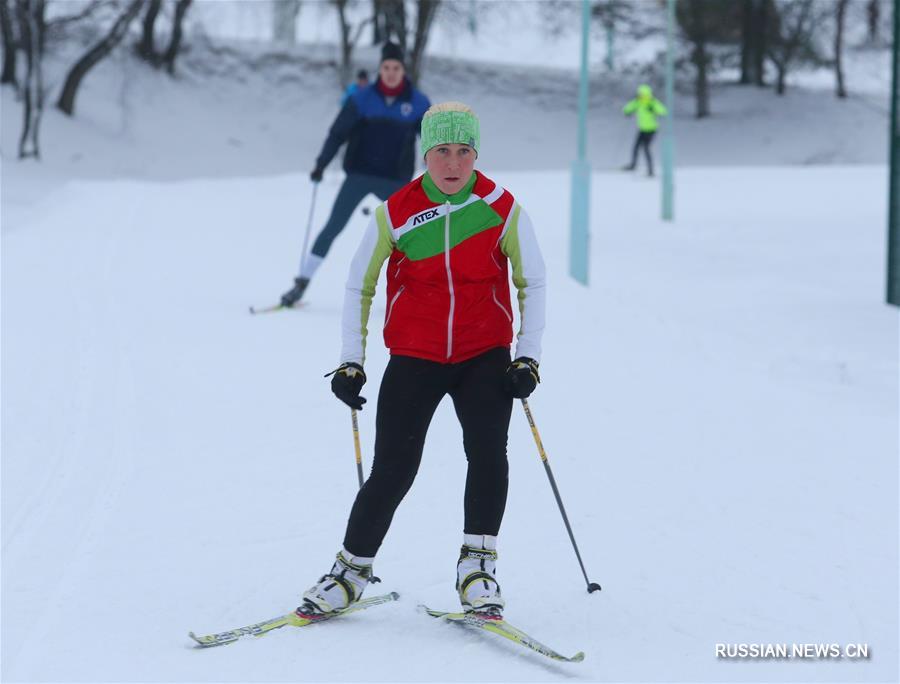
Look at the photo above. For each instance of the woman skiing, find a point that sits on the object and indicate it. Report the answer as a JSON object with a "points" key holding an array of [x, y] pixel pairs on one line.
{"points": [[450, 238]]}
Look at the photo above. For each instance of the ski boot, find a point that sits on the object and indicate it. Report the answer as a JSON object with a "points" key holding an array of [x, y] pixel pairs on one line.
{"points": [[476, 581], [340, 588], [293, 295]]}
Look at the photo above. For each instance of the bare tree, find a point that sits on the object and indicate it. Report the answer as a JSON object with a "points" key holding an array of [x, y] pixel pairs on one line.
{"points": [[30, 14], [425, 13], [794, 25], [873, 17], [391, 22], [349, 38], [379, 31], [754, 29], [168, 58], [284, 20], [704, 23], [66, 102], [9, 45], [839, 16], [146, 48], [394, 12]]}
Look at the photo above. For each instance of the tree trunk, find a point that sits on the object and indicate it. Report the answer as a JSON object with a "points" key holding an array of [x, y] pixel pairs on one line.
{"points": [[181, 8], [30, 14], [873, 15], [426, 11], [395, 21], [378, 22], [147, 48], [747, 41], [760, 38], [9, 45], [841, 91], [284, 20], [699, 57], [782, 76], [346, 43], [66, 101]]}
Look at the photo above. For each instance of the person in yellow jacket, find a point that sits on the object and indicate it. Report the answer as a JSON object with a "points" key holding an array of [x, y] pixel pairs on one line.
{"points": [[646, 109]]}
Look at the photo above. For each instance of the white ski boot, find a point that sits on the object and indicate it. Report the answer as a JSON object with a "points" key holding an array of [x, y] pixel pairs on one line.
{"points": [[338, 589], [476, 575]]}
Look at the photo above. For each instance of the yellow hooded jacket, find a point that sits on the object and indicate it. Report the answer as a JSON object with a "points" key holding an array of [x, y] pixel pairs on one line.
{"points": [[647, 108]]}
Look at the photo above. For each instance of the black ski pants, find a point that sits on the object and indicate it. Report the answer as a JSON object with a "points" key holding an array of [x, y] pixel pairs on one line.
{"points": [[644, 138], [411, 390], [353, 190]]}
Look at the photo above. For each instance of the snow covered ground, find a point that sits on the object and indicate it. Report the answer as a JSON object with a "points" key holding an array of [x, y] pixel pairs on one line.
{"points": [[719, 407]]}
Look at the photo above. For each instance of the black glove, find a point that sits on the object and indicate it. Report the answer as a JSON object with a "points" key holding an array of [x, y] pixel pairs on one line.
{"points": [[522, 377], [316, 174], [347, 382]]}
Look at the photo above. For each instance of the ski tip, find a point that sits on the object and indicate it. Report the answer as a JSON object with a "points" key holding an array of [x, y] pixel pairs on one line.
{"points": [[198, 643], [578, 657]]}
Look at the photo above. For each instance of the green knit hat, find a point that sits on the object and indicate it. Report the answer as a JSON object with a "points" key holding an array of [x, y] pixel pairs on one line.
{"points": [[449, 123]]}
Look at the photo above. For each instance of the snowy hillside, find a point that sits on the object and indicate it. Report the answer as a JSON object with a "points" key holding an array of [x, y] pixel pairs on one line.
{"points": [[239, 110], [720, 406]]}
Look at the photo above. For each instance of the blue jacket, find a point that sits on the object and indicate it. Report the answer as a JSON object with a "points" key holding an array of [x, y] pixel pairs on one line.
{"points": [[380, 137]]}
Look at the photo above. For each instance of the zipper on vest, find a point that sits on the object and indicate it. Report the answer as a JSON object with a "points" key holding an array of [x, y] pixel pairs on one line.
{"points": [[449, 280]]}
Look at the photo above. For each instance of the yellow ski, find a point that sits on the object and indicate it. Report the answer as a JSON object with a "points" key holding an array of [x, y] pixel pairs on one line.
{"points": [[497, 625], [292, 619]]}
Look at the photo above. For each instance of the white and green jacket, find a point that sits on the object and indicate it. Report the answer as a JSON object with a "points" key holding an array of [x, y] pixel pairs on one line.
{"points": [[448, 295]]}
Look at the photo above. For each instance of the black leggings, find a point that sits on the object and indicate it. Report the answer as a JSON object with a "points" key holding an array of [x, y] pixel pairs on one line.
{"points": [[411, 390], [644, 138]]}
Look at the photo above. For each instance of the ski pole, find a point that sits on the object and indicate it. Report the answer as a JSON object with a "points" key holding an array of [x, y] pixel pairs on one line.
{"points": [[359, 469], [312, 209], [591, 586]]}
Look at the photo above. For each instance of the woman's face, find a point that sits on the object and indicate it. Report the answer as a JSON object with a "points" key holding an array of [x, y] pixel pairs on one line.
{"points": [[391, 72], [450, 166]]}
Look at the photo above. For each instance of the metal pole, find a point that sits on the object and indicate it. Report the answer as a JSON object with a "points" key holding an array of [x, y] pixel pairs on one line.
{"points": [[579, 242], [309, 222], [893, 265], [359, 469], [591, 586], [668, 142]]}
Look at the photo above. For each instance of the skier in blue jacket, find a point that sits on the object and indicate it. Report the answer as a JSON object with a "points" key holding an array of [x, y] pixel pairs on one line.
{"points": [[379, 123]]}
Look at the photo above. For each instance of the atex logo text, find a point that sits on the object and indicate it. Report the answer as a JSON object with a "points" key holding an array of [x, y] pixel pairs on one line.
{"points": [[425, 216]]}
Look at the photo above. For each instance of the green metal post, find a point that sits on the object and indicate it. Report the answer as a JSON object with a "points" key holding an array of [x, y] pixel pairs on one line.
{"points": [[579, 242], [893, 265], [668, 137]]}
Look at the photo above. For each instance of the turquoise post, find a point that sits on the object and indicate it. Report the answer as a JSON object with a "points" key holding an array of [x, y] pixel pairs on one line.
{"points": [[893, 265], [579, 242], [668, 124]]}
